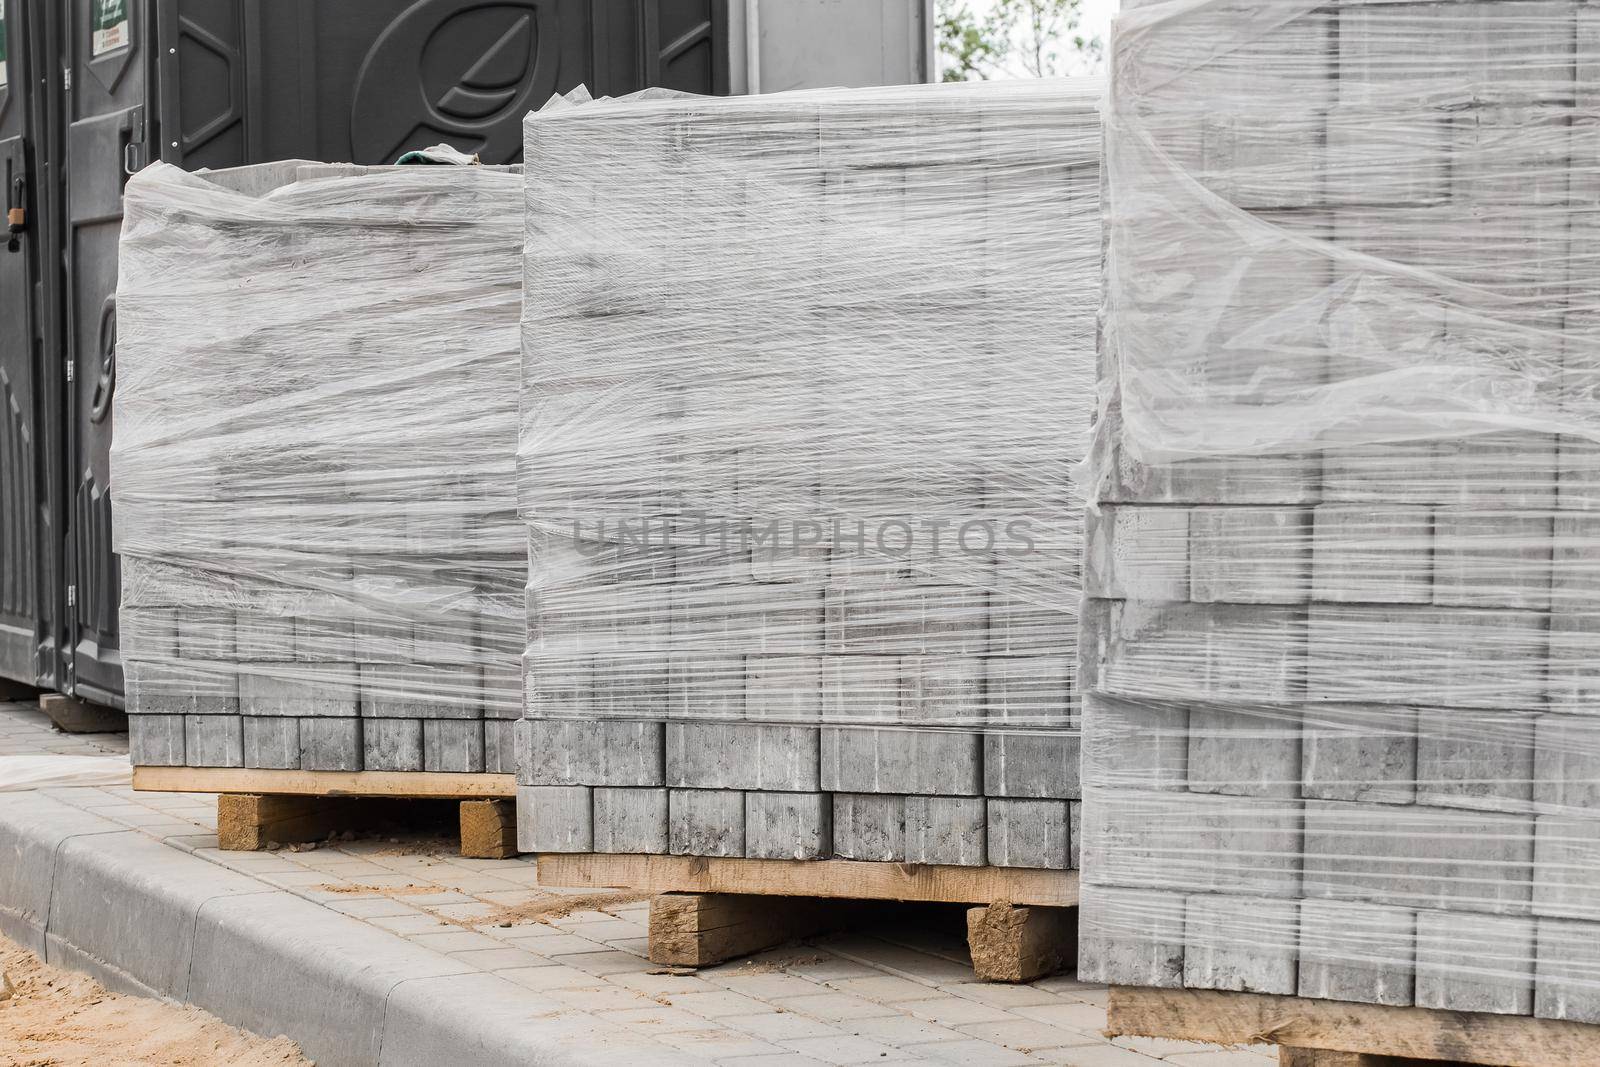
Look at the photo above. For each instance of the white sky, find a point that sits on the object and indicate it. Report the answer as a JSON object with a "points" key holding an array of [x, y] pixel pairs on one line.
{"points": [[1096, 16]]}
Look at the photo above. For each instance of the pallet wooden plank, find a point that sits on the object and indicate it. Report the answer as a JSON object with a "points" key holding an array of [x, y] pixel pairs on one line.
{"points": [[435, 784], [1020, 944], [1414, 1033], [488, 829], [75, 716], [700, 929], [834, 879]]}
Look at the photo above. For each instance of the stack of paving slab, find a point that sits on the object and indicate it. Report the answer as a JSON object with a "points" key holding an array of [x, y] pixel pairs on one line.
{"points": [[322, 566], [1341, 636], [806, 377]]}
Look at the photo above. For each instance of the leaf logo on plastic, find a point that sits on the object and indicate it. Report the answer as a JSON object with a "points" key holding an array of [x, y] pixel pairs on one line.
{"points": [[458, 72]]}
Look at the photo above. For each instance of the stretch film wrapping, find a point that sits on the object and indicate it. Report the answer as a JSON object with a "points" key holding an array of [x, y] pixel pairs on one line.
{"points": [[1341, 644], [313, 466], [806, 377]]}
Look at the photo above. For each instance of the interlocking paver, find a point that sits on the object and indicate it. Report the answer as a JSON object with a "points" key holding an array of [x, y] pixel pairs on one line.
{"points": [[313, 881], [1155, 1046], [441, 901], [547, 978], [654, 1018], [896, 959], [953, 1011], [598, 998], [510, 898], [454, 941], [1025, 1034], [605, 963], [638, 946], [828, 968], [842, 1050], [378, 907], [718, 1004], [415, 922], [886, 988], [461, 912], [545, 942], [902, 1030], [780, 1026], [1097, 1056], [662, 984], [497, 959], [1072, 1015], [1219, 1058], [974, 1053], [768, 986], [720, 1044], [999, 995], [837, 1007], [607, 929]]}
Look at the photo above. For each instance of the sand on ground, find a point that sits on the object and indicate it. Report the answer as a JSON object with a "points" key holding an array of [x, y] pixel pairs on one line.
{"points": [[59, 1018]]}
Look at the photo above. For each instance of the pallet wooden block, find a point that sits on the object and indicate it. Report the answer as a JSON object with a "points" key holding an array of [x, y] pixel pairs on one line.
{"points": [[713, 909], [699, 929], [74, 716], [488, 829], [1012, 944], [1317, 1033], [248, 822]]}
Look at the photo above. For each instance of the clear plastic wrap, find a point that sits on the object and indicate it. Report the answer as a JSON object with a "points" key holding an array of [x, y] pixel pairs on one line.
{"points": [[56, 771], [806, 377], [322, 566], [1341, 641]]}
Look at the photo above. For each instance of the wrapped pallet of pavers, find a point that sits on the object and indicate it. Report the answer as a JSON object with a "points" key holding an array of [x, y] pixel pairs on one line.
{"points": [[1342, 638], [805, 380], [313, 457]]}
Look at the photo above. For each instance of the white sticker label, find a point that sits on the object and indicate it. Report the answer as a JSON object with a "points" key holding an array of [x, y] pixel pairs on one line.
{"points": [[109, 23]]}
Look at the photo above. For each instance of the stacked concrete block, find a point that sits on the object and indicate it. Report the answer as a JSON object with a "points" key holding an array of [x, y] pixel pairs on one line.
{"points": [[314, 457], [805, 380], [1340, 622]]}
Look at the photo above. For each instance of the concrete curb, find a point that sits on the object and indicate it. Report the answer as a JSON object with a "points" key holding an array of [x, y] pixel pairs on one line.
{"points": [[150, 918]]}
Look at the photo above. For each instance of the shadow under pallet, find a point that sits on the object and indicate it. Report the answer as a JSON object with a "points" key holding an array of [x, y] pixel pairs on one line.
{"points": [[1022, 924], [259, 808]]}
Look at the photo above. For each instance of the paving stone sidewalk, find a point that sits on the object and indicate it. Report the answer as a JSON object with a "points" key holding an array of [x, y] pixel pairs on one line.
{"points": [[892, 996]]}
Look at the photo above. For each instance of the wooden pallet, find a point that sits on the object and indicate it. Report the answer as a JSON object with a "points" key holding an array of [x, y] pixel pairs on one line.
{"points": [[1331, 1033], [74, 716], [708, 910], [256, 808]]}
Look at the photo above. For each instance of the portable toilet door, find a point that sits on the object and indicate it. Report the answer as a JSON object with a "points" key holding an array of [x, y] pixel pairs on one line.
{"points": [[25, 652], [96, 110]]}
